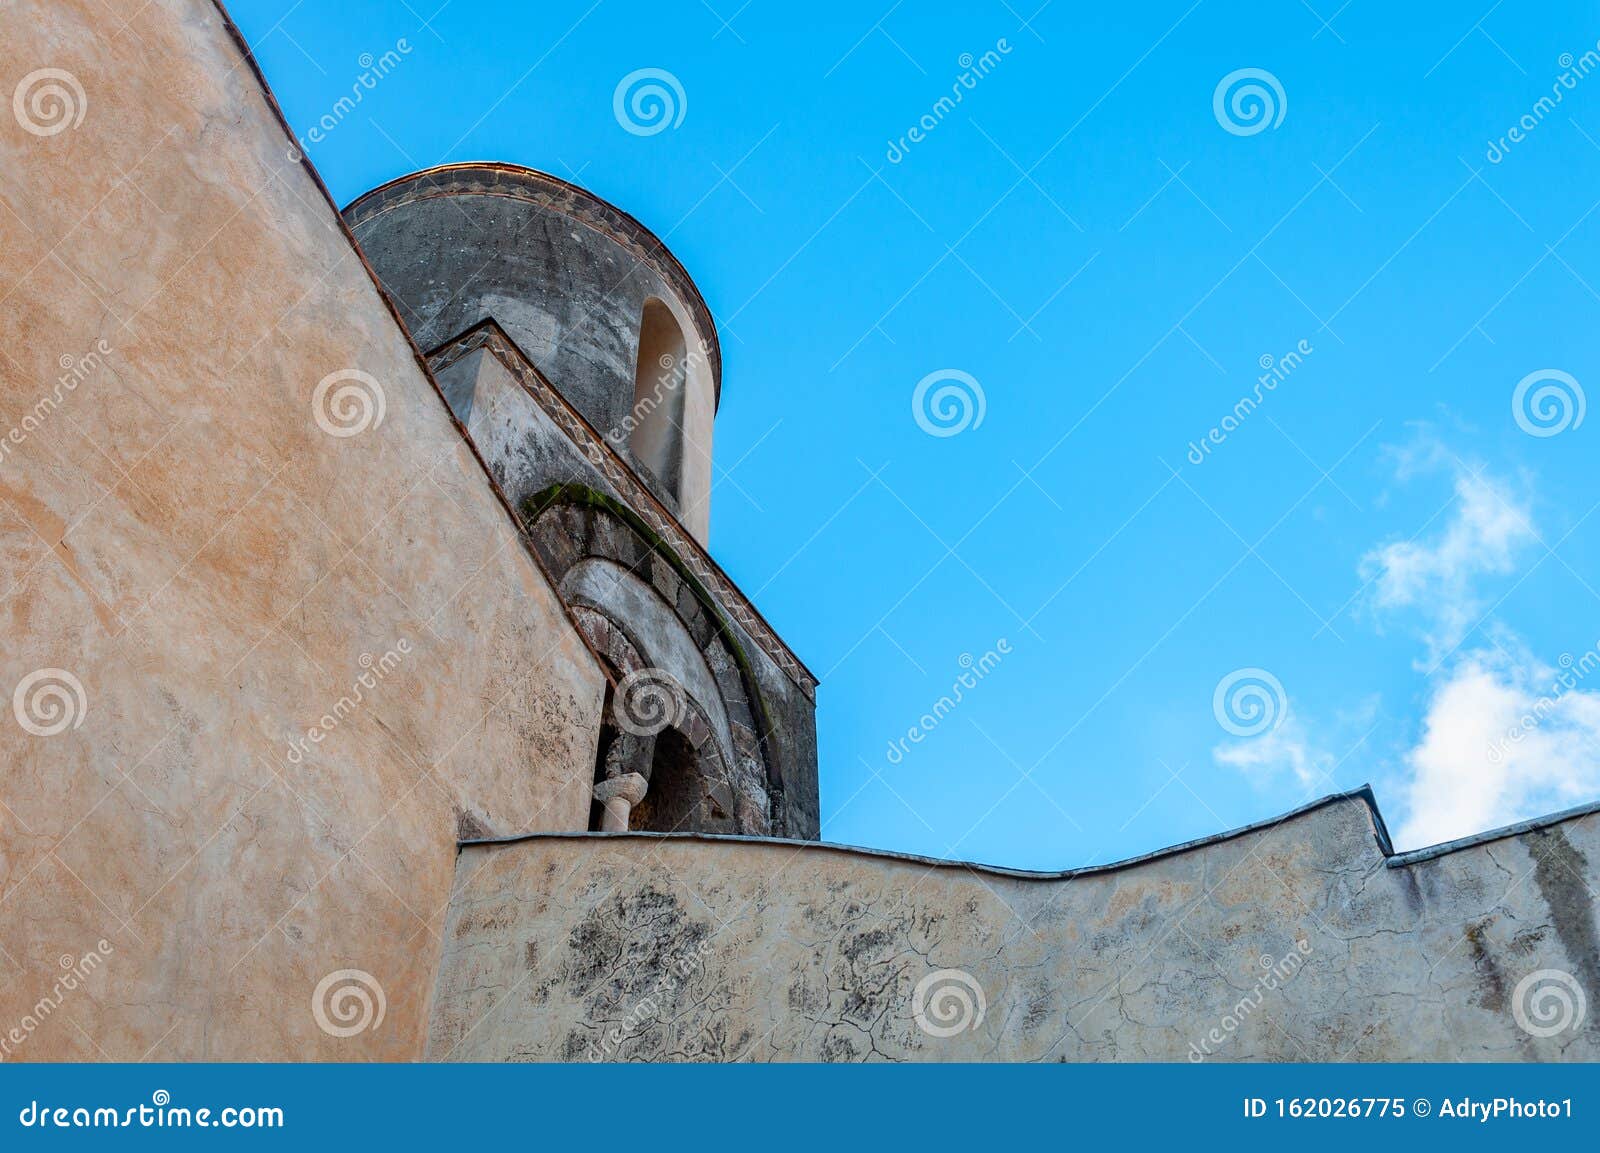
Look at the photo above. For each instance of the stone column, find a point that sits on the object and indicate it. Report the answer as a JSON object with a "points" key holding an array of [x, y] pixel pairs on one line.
{"points": [[619, 795], [625, 777]]}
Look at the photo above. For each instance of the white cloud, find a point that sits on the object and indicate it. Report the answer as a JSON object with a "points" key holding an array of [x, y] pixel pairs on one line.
{"points": [[1286, 747], [1485, 531], [1505, 738]]}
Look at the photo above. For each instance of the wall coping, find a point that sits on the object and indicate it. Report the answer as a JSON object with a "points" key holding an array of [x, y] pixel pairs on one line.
{"points": [[1360, 796]]}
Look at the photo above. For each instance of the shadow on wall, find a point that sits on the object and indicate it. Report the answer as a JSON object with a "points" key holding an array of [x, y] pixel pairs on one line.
{"points": [[658, 397]]}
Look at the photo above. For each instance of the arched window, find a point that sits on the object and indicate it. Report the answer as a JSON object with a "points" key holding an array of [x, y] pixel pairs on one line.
{"points": [[656, 438], [676, 789]]}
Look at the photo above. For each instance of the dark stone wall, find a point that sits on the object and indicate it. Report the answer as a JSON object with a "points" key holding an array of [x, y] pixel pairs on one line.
{"points": [[564, 274], [529, 453]]}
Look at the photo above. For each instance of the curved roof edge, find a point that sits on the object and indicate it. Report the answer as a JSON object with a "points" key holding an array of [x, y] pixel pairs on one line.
{"points": [[1414, 856], [518, 182], [1362, 795]]}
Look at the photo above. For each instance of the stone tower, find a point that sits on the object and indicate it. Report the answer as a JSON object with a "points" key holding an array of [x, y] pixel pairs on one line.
{"points": [[583, 364]]}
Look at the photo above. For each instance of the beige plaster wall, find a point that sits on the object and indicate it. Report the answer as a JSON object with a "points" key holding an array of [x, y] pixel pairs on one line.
{"points": [[209, 570], [1297, 941]]}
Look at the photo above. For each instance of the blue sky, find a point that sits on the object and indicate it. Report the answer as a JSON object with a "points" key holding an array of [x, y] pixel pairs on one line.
{"points": [[1107, 259]]}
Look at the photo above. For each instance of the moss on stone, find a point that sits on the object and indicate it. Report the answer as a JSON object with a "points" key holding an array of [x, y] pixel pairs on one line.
{"points": [[584, 496]]}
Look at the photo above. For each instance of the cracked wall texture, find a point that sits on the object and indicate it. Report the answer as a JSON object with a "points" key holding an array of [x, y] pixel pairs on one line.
{"points": [[659, 948], [181, 536]]}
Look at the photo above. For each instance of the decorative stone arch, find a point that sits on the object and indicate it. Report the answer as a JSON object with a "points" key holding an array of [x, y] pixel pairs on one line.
{"points": [[570, 524], [672, 658], [702, 781]]}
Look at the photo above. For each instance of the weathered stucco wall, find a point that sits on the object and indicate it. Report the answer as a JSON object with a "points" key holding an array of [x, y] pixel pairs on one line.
{"points": [[204, 555], [1295, 941]]}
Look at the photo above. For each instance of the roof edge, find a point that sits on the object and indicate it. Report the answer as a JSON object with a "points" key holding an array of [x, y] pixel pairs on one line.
{"points": [[1362, 795], [1504, 832]]}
